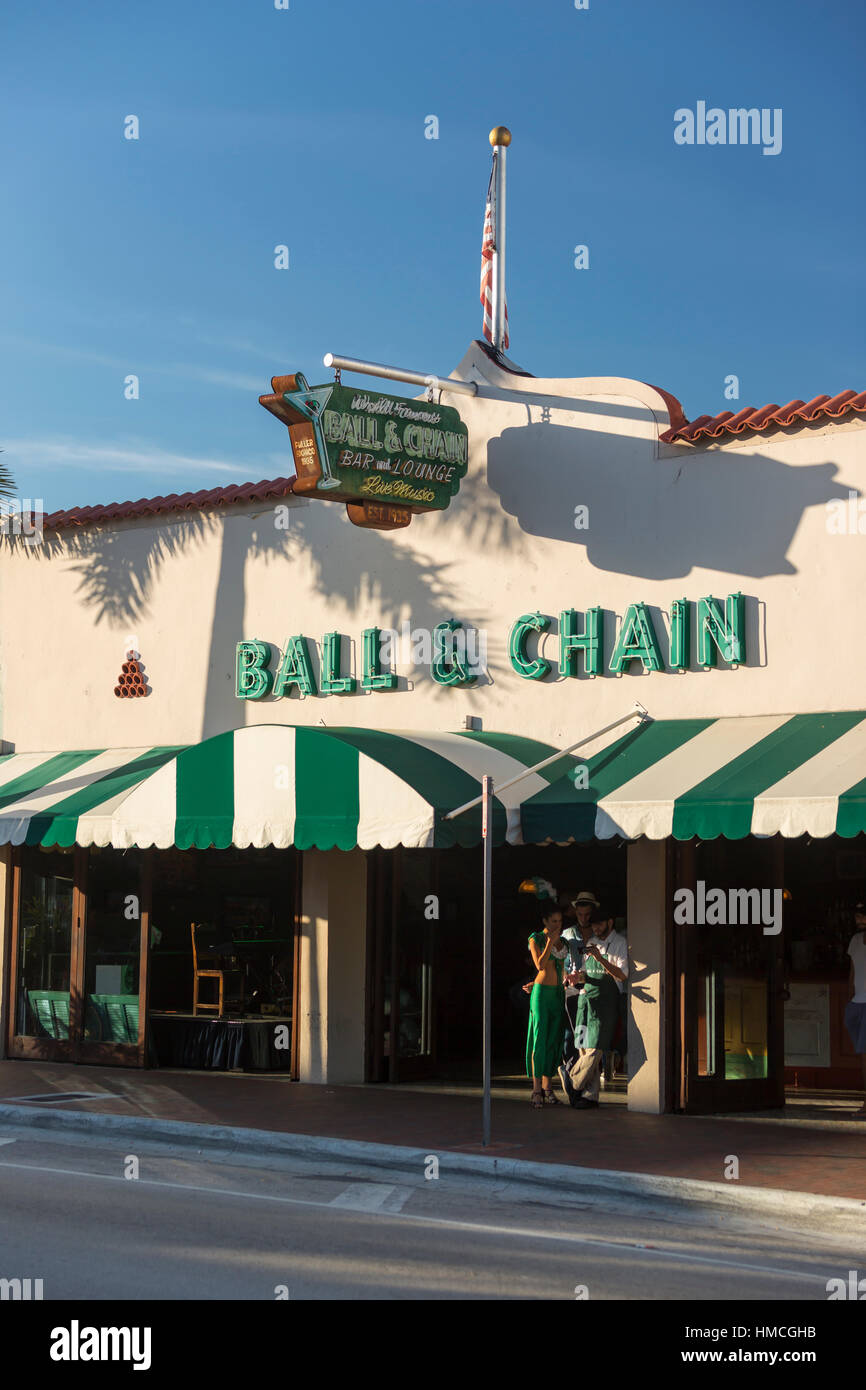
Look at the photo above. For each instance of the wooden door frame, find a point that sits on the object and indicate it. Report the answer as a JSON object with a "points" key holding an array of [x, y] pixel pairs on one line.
{"points": [[114, 1054], [74, 1048], [375, 1025], [298, 906], [20, 1045], [384, 877], [671, 992], [684, 876], [423, 1066], [393, 928]]}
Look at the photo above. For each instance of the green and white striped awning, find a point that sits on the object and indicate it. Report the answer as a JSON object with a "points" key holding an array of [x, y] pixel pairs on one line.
{"points": [[272, 784], [790, 775], [326, 788]]}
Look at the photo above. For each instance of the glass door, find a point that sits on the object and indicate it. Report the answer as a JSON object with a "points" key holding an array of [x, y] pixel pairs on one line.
{"points": [[730, 966], [43, 904], [80, 923], [402, 920], [413, 945], [109, 1019]]}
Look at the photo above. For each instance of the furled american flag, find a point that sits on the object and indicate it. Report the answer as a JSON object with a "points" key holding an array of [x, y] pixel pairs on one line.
{"points": [[488, 243]]}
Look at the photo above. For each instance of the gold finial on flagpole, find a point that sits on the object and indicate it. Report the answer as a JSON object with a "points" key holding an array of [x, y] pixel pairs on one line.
{"points": [[500, 135]]}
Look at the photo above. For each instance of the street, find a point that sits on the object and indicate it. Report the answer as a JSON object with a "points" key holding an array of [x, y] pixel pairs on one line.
{"points": [[195, 1225]]}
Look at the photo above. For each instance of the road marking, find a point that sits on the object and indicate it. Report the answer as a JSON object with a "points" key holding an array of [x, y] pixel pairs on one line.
{"points": [[510, 1232], [398, 1200], [8, 1141], [60, 1098], [366, 1196]]}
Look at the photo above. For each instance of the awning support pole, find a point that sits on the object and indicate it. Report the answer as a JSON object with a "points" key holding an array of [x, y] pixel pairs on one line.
{"points": [[487, 843], [639, 712]]}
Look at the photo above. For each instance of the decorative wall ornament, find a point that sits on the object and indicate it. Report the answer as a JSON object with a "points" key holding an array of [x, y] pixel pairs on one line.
{"points": [[132, 682]]}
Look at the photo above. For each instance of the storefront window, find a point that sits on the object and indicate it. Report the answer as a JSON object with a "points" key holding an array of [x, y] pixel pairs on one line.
{"points": [[44, 949], [113, 947], [733, 958], [706, 1013], [746, 996], [230, 1005], [426, 953]]}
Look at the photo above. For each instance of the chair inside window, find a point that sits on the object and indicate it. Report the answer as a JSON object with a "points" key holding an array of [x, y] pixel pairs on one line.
{"points": [[207, 964], [51, 1008], [118, 1014]]}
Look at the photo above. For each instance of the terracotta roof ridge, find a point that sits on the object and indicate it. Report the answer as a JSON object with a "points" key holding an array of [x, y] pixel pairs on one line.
{"points": [[202, 500], [767, 417]]}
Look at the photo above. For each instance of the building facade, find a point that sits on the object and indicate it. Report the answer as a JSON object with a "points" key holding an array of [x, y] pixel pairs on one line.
{"points": [[319, 695]]}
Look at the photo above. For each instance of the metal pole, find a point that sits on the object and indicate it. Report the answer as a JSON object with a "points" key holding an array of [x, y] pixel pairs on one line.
{"points": [[487, 849], [500, 138], [435, 383], [639, 712]]}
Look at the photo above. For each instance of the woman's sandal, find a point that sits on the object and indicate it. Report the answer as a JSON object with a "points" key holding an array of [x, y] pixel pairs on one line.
{"points": [[550, 1098], [536, 1100]]}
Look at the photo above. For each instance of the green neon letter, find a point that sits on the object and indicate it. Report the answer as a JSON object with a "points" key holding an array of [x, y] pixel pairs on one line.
{"points": [[332, 682], [531, 670], [589, 642], [722, 634], [295, 669], [680, 634], [253, 680], [373, 678], [448, 665], [637, 641]]}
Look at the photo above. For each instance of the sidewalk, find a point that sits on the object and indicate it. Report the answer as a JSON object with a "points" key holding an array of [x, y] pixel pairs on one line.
{"points": [[827, 1159]]}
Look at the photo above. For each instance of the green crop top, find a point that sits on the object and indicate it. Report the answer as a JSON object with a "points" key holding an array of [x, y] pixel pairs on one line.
{"points": [[558, 961]]}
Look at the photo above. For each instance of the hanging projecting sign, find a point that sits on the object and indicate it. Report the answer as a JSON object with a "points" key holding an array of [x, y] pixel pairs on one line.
{"points": [[384, 456]]}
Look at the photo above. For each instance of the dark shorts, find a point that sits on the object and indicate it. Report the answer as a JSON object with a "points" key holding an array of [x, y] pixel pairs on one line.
{"points": [[855, 1022]]}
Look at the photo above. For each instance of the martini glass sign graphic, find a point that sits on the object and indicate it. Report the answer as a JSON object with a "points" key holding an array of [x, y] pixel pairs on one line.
{"points": [[311, 402]]}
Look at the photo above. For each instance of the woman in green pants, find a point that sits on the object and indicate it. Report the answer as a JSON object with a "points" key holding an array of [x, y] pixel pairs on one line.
{"points": [[546, 1007]]}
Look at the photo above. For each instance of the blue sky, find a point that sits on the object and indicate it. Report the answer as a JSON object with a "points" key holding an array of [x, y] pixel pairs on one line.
{"points": [[305, 127]]}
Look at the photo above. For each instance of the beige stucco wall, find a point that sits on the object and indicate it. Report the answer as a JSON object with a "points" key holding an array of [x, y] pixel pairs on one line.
{"points": [[664, 523], [332, 967], [647, 899]]}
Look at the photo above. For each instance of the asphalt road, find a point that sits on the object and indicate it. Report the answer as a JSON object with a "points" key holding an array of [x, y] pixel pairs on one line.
{"points": [[209, 1225]]}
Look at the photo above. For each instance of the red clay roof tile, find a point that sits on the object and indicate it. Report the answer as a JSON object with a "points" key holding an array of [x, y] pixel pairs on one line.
{"points": [[175, 502], [769, 417]]}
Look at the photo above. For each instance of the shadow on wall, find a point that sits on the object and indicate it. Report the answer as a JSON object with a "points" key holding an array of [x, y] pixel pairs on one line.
{"points": [[637, 1054], [118, 572], [735, 512]]}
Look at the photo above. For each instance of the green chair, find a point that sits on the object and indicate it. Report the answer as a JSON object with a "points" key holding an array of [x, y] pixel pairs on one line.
{"points": [[51, 1009], [118, 1015]]}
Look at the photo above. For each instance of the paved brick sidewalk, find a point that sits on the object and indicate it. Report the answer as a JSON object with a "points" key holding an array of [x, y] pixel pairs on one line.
{"points": [[829, 1160]]}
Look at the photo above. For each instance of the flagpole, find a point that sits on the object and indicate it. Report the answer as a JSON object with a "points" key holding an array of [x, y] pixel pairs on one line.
{"points": [[500, 139]]}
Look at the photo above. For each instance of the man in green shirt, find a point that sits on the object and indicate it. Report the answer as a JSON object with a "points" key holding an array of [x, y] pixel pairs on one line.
{"points": [[605, 965]]}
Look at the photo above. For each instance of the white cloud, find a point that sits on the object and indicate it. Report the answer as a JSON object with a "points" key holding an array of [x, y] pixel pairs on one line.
{"points": [[184, 371], [244, 345], [237, 380], [120, 458]]}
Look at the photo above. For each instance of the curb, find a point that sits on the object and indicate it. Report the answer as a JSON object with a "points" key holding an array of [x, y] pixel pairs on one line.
{"points": [[839, 1214]]}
